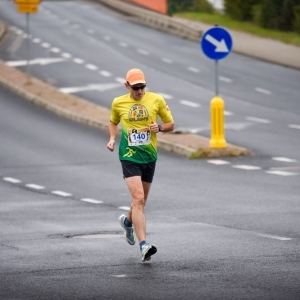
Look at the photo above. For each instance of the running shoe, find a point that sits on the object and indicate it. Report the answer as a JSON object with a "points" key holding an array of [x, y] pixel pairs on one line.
{"points": [[129, 233], [147, 251]]}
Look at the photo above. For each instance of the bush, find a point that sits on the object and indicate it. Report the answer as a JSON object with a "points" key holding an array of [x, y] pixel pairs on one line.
{"points": [[202, 6], [296, 24], [240, 9]]}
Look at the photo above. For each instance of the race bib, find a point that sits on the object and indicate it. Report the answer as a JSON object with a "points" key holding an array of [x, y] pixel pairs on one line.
{"points": [[138, 137]]}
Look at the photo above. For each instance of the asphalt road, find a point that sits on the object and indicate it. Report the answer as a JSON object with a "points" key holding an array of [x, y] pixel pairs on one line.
{"points": [[225, 229], [221, 232]]}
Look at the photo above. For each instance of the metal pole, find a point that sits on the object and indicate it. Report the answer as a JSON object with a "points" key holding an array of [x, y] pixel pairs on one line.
{"points": [[217, 77], [28, 43]]}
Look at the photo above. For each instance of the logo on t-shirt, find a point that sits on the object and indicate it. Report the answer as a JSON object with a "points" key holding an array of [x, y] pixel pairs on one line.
{"points": [[138, 112]]}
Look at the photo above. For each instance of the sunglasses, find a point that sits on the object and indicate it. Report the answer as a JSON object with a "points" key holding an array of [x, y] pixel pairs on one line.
{"points": [[136, 88]]}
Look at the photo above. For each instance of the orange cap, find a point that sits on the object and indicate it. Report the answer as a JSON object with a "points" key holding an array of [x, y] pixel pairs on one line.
{"points": [[135, 76]]}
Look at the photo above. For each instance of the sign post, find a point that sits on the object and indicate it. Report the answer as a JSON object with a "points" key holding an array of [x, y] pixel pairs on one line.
{"points": [[28, 7], [216, 43]]}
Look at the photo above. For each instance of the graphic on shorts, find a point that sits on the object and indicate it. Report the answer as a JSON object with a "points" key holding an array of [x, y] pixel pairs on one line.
{"points": [[138, 112]]}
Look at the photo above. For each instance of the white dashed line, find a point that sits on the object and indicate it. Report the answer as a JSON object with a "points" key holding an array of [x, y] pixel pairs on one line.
{"points": [[228, 113], [189, 103], [254, 119], [225, 79], [35, 186], [90, 31], [78, 60], [91, 67], [192, 69], [122, 44], [166, 96], [273, 237], [91, 201], [246, 167], [141, 51], [124, 207], [45, 45], [36, 40], [107, 38], [55, 50], [119, 276], [263, 91], [281, 173], [285, 159], [120, 79], [295, 126], [105, 73], [218, 162], [12, 180], [167, 60], [60, 193], [66, 55]]}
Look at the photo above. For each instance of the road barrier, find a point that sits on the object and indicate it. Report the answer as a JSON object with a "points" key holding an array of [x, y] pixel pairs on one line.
{"points": [[155, 20]]}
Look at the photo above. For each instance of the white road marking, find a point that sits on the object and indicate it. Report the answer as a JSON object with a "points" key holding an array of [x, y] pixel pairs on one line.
{"points": [[66, 55], [46, 45], [295, 126], [189, 103], [19, 31], [192, 69], [122, 44], [246, 167], [94, 201], [35, 186], [167, 60], [166, 96], [12, 180], [36, 40], [90, 31], [55, 50], [285, 159], [144, 52], [124, 207], [107, 38], [120, 79], [61, 193], [263, 91], [259, 120], [228, 113], [90, 87], [91, 67], [105, 73], [281, 173], [78, 61], [218, 162], [40, 61], [273, 237], [119, 276], [225, 79]]}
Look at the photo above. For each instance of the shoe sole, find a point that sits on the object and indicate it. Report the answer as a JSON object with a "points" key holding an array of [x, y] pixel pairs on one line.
{"points": [[125, 237], [149, 253]]}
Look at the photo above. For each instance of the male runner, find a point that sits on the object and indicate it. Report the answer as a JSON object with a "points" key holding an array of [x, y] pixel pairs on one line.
{"points": [[138, 113]]}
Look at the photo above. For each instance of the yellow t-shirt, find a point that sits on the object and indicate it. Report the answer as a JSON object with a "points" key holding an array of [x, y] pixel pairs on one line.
{"points": [[138, 143]]}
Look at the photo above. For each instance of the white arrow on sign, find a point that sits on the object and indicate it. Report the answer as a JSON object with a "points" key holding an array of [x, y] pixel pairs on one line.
{"points": [[220, 46], [37, 61], [91, 87]]}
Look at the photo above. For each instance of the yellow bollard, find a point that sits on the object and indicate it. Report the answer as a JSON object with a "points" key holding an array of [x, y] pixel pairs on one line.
{"points": [[217, 123]]}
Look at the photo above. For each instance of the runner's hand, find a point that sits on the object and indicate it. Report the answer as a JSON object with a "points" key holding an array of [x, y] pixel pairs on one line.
{"points": [[154, 127], [111, 145]]}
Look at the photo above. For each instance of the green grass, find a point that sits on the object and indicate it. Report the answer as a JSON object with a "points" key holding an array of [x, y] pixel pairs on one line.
{"points": [[224, 21]]}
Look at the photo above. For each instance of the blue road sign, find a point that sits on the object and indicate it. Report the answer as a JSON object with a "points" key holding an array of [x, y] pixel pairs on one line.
{"points": [[216, 43]]}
